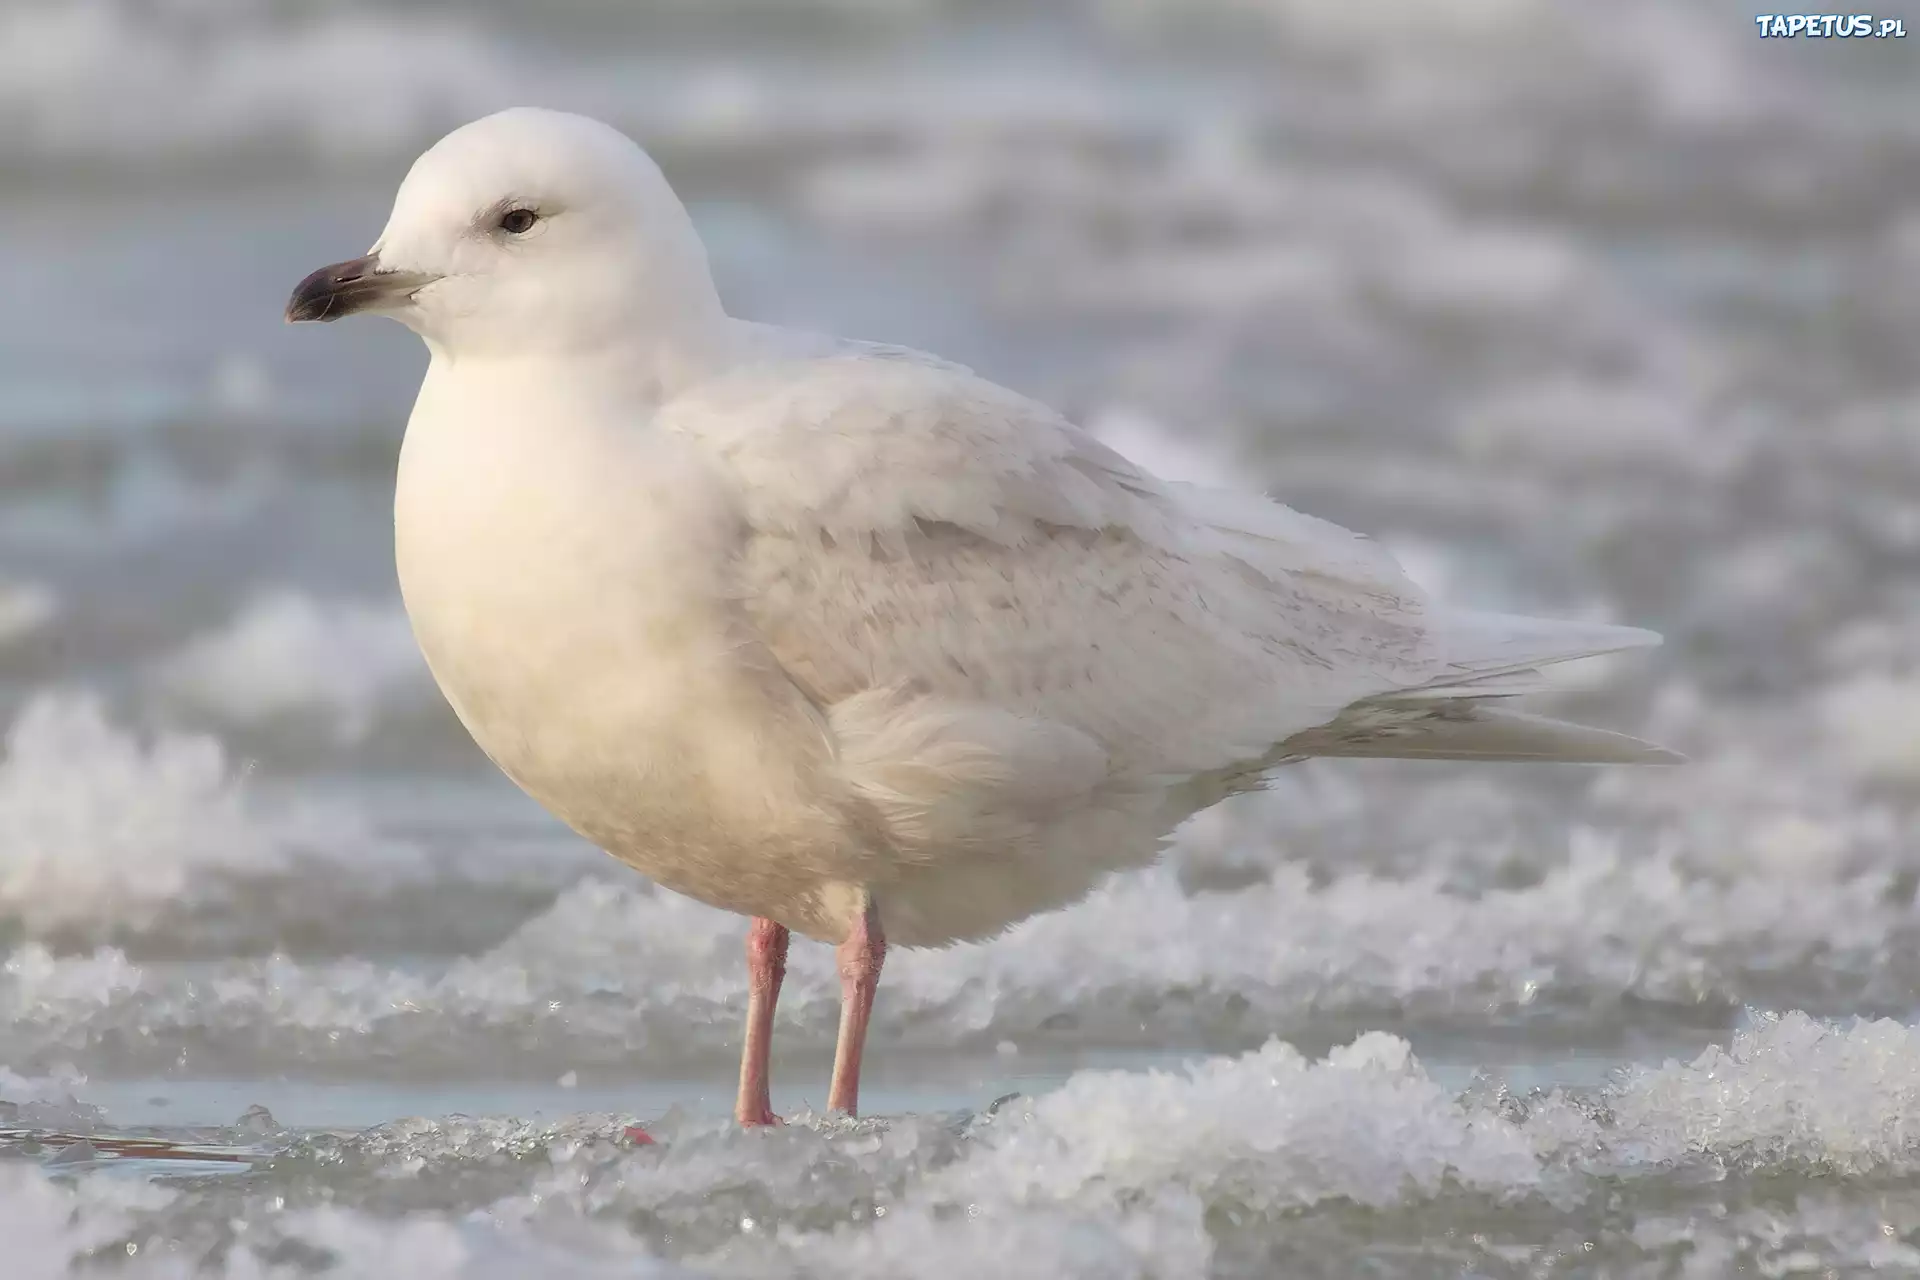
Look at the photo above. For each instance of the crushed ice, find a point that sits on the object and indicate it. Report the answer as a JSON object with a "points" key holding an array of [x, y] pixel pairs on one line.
{"points": [[1114, 1173]]}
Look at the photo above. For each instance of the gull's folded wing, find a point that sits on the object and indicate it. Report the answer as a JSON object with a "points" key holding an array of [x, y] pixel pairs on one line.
{"points": [[912, 525]]}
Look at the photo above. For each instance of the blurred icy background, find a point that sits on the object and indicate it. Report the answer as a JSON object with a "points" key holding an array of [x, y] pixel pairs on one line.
{"points": [[1587, 310]]}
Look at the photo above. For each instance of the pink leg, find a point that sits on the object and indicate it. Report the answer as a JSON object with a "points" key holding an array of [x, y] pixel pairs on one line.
{"points": [[766, 966], [859, 959]]}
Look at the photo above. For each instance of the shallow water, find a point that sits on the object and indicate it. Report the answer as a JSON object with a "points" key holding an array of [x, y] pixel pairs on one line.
{"points": [[1608, 319]]}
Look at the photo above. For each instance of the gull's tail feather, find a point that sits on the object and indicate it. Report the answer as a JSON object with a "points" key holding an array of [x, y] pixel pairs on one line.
{"points": [[1488, 656]]}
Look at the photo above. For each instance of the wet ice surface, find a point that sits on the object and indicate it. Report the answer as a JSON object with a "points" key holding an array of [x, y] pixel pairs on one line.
{"points": [[1792, 1149], [1607, 319]]}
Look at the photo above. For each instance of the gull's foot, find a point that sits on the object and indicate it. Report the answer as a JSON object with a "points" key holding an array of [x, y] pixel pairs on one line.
{"points": [[764, 1120], [637, 1136]]}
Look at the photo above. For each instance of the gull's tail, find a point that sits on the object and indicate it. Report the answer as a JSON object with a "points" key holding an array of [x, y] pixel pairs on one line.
{"points": [[1488, 657]]}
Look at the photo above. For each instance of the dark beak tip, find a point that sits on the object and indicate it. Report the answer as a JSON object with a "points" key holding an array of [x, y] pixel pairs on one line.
{"points": [[311, 297], [339, 289]]}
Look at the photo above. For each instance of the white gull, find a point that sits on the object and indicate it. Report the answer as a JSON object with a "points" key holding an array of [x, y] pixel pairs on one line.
{"points": [[840, 636]]}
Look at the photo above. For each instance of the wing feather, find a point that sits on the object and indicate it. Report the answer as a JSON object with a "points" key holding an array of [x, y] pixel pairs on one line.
{"points": [[912, 525]]}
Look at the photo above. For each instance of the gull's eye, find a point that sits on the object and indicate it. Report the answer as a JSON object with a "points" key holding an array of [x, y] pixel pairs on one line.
{"points": [[516, 222]]}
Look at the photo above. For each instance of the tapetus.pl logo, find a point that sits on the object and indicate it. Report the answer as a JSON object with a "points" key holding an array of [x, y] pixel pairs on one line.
{"points": [[1829, 26]]}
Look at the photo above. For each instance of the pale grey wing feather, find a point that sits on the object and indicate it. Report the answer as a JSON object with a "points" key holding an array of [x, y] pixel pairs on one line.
{"points": [[908, 523]]}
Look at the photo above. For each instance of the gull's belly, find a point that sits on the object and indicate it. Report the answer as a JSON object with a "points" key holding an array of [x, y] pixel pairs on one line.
{"points": [[635, 739], [537, 677], [550, 682]]}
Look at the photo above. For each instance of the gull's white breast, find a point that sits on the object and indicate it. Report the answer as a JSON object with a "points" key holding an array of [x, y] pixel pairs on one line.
{"points": [[566, 574]]}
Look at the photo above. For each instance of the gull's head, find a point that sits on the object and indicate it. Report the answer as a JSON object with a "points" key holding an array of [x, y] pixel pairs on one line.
{"points": [[527, 231]]}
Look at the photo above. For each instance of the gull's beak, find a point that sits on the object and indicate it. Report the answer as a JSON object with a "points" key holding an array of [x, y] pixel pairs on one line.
{"points": [[361, 284]]}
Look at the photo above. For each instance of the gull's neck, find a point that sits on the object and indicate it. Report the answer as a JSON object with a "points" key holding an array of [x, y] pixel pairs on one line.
{"points": [[644, 367]]}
